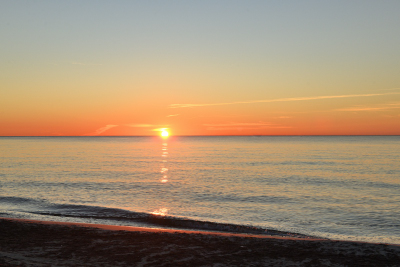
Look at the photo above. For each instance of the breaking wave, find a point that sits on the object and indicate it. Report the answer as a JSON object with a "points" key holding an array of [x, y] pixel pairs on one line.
{"points": [[96, 214]]}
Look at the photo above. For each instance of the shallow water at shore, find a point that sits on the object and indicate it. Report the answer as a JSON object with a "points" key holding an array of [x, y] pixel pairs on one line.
{"points": [[333, 187]]}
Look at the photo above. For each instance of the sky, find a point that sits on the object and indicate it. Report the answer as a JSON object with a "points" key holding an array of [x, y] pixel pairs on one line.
{"points": [[82, 68]]}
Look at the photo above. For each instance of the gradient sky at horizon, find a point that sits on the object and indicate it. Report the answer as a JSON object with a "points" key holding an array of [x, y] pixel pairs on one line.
{"points": [[199, 67]]}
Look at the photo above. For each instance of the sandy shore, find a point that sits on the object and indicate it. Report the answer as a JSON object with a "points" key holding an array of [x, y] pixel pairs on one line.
{"points": [[38, 243]]}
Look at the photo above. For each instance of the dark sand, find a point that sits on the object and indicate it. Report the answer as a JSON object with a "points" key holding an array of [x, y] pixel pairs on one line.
{"points": [[36, 243]]}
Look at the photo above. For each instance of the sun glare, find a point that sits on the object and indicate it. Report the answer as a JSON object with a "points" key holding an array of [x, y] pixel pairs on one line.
{"points": [[164, 133]]}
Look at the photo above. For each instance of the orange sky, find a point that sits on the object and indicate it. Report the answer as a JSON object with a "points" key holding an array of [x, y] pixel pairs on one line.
{"points": [[200, 68]]}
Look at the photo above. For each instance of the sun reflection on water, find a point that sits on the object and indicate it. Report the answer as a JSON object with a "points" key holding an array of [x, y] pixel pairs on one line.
{"points": [[160, 212], [164, 176], [164, 168]]}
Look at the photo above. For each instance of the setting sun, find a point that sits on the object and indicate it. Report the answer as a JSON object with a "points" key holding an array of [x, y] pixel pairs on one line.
{"points": [[164, 133]]}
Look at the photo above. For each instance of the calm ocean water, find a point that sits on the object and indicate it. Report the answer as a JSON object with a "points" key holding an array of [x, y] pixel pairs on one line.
{"points": [[344, 188]]}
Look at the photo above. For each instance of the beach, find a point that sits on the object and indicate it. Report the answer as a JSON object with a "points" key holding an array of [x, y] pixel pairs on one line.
{"points": [[40, 243]]}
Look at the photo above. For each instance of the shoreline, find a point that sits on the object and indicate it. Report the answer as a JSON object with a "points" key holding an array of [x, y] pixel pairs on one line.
{"points": [[26, 242], [158, 230]]}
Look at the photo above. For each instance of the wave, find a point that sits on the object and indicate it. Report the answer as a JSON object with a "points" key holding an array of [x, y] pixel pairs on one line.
{"points": [[125, 217]]}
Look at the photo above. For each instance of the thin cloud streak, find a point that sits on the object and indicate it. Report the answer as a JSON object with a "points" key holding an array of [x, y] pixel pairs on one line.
{"points": [[360, 109], [367, 108], [238, 124], [110, 126], [246, 128], [159, 129], [284, 117], [278, 100], [144, 125], [103, 129]]}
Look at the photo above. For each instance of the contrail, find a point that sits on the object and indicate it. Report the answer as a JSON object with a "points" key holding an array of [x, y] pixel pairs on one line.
{"points": [[277, 100]]}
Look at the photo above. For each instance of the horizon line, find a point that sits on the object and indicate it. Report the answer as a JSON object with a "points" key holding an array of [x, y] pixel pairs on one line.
{"points": [[171, 136]]}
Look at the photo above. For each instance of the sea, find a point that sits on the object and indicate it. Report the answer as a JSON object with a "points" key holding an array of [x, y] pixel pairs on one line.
{"points": [[335, 187]]}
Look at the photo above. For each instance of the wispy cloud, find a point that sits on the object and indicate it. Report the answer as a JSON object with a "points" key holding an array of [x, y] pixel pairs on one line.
{"points": [[394, 104], [242, 126], [145, 125], [155, 127], [278, 100], [360, 109], [364, 108], [284, 117], [140, 125], [173, 115], [159, 129], [103, 129], [245, 128]]}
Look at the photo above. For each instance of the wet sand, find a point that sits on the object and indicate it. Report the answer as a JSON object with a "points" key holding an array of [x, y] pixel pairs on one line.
{"points": [[39, 243]]}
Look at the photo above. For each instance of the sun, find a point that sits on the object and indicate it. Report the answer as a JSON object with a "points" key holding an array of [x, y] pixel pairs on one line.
{"points": [[164, 133]]}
